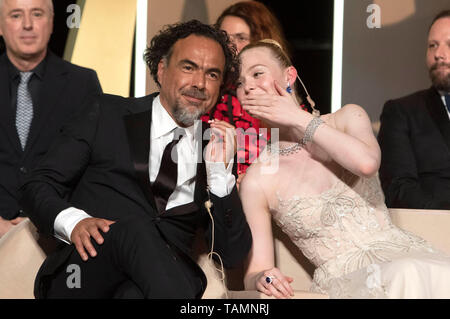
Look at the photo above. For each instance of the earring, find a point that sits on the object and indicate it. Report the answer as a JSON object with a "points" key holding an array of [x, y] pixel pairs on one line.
{"points": [[289, 89]]}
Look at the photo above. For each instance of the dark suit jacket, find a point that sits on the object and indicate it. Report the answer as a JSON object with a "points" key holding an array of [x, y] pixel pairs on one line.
{"points": [[104, 157], [415, 144], [65, 87]]}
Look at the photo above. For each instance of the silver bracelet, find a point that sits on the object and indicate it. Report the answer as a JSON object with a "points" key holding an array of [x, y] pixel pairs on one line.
{"points": [[310, 130]]}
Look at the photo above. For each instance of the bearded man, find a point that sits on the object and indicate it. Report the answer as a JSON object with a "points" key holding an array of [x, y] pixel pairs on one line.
{"points": [[415, 134], [125, 185]]}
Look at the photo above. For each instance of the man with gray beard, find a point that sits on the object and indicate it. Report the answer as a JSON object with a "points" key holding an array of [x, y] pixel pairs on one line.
{"points": [[415, 134], [125, 186]]}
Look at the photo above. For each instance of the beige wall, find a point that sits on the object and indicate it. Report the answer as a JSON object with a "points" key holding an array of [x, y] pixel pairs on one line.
{"points": [[104, 42], [163, 12], [386, 63]]}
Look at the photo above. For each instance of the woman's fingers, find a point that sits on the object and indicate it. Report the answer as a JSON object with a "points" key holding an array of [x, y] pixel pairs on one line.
{"points": [[279, 89], [286, 283], [258, 113], [261, 287], [279, 288], [258, 100], [223, 124], [274, 283], [283, 283]]}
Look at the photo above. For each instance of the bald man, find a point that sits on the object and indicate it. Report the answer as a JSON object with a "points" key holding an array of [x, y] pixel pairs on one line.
{"points": [[39, 92]]}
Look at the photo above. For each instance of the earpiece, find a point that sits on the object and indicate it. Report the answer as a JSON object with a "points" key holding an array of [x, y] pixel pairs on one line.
{"points": [[308, 100], [208, 204]]}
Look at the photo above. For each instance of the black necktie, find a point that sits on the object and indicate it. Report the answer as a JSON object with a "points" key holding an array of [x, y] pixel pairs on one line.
{"points": [[166, 181], [447, 101]]}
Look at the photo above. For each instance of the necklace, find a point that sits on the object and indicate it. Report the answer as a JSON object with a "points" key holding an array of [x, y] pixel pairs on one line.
{"points": [[286, 150], [307, 138]]}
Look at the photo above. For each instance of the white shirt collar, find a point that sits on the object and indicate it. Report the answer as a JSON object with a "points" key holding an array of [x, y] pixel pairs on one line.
{"points": [[163, 123]]}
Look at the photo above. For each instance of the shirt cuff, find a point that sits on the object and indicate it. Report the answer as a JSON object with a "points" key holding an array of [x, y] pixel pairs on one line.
{"points": [[220, 179], [66, 221]]}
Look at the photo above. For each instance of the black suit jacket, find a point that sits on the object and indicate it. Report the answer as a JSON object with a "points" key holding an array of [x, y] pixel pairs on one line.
{"points": [[64, 89], [415, 144], [100, 165]]}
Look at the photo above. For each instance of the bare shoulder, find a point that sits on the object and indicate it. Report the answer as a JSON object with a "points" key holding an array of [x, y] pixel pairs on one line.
{"points": [[350, 114], [351, 110], [252, 177]]}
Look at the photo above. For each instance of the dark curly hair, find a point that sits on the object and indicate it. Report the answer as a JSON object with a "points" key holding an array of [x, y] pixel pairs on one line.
{"points": [[161, 47]]}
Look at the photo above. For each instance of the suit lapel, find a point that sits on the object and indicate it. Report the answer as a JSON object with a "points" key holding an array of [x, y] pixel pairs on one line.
{"points": [[6, 112], [138, 133], [53, 84], [138, 130], [438, 113]]}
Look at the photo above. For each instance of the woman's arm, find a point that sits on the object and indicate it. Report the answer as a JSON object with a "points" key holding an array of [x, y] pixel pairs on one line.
{"points": [[261, 262], [351, 143]]}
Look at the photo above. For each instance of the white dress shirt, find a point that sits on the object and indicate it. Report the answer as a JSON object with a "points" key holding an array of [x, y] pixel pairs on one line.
{"points": [[220, 180]]}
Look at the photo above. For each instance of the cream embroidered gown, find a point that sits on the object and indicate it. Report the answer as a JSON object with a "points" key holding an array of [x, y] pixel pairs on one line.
{"points": [[346, 232]]}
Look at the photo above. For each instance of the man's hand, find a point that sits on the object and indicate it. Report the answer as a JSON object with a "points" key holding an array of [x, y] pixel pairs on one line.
{"points": [[5, 225], [84, 230], [222, 146]]}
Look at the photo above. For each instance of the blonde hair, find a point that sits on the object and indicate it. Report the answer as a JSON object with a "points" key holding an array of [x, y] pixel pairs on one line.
{"points": [[279, 53]]}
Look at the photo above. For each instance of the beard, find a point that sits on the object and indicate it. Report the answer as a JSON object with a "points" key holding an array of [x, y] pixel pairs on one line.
{"points": [[440, 78], [185, 114], [186, 117]]}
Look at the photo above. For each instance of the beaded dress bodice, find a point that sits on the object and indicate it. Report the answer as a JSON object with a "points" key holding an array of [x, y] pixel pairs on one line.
{"points": [[344, 229]]}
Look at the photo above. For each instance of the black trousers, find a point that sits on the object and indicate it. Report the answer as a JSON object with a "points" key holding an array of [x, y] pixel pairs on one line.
{"points": [[133, 262]]}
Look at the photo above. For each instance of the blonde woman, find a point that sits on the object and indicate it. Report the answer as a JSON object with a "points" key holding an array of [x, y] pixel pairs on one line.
{"points": [[325, 195]]}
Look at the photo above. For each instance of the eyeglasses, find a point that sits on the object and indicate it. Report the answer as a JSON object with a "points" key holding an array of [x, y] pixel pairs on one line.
{"points": [[239, 37]]}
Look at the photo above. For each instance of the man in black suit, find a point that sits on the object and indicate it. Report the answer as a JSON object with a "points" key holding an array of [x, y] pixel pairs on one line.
{"points": [[111, 187], [31, 113], [415, 134]]}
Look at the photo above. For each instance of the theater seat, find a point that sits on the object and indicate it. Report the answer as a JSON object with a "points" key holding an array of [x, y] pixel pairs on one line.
{"points": [[21, 256]]}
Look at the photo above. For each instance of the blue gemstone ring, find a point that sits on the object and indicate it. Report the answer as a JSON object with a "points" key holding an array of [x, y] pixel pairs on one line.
{"points": [[269, 279]]}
